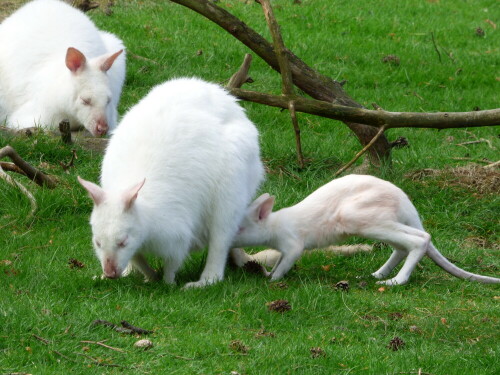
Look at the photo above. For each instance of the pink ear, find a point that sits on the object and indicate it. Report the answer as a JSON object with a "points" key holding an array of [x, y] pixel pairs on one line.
{"points": [[96, 193], [262, 207], [266, 208], [75, 60], [130, 195], [108, 61]]}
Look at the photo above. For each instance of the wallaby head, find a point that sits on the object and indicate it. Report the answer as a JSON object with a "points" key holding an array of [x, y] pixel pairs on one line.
{"points": [[91, 89], [254, 228], [116, 229]]}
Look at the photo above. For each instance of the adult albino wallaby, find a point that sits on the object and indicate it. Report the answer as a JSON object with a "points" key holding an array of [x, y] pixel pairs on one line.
{"points": [[353, 205], [56, 65], [178, 174]]}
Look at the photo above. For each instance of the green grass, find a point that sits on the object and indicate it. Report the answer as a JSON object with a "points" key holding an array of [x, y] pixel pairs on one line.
{"points": [[449, 326]]}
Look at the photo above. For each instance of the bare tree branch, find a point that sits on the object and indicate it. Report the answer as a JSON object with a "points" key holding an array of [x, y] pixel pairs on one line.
{"points": [[31, 172], [379, 117], [358, 155], [307, 79], [241, 76], [286, 74]]}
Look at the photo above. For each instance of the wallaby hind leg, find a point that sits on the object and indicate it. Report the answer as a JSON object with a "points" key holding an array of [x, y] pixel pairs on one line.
{"points": [[396, 257], [407, 241]]}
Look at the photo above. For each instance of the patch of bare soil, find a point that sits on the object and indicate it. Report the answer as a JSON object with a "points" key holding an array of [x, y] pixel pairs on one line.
{"points": [[477, 179]]}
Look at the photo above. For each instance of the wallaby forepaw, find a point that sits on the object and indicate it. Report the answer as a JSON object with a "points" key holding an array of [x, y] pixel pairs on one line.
{"points": [[201, 283], [378, 275]]}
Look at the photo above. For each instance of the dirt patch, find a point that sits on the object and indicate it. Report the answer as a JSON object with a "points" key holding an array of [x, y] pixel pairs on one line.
{"points": [[477, 179]]}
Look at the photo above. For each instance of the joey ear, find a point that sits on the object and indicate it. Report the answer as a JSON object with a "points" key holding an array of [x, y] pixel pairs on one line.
{"points": [[266, 207], [106, 62], [95, 192], [130, 195], [262, 207], [75, 60]]}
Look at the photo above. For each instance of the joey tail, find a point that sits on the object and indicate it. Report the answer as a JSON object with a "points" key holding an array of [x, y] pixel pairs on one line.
{"points": [[449, 267]]}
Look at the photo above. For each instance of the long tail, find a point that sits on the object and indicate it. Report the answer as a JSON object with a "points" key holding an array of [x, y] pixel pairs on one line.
{"points": [[449, 267]]}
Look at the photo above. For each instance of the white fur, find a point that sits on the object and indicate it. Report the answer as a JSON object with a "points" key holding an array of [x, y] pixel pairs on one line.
{"points": [[36, 86], [199, 156], [353, 205]]}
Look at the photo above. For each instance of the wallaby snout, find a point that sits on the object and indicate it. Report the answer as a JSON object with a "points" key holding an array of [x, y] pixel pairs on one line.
{"points": [[101, 127], [110, 269]]}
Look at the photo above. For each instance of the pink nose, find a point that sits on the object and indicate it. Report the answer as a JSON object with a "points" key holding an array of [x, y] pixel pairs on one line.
{"points": [[110, 269], [101, 127]]}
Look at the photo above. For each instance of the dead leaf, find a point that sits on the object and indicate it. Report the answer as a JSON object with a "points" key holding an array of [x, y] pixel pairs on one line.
{"points": [[381, 289], [238, 347], [396, 316], [342, 285], [491, 23], [326, 268], [444, 321], [279, 305], [396, 343], [391, 59], [317, 352], [74, 263]]}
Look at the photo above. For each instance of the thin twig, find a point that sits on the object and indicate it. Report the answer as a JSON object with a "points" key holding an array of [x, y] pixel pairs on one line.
{"points": [[134, 329], [492, 165], [64, 356], [71, 163], [99, 363], [103, 345], [241, 76], [298, 145], [482, 140], [45, 341], [4, 176], [435, 47], [286, 73], [358, 155], [138, 57]]}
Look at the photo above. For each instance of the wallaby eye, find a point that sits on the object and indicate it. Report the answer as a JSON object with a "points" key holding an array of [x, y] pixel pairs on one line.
{"points": [[108, 101], [86, 101], [98, 243], [122, 243]]}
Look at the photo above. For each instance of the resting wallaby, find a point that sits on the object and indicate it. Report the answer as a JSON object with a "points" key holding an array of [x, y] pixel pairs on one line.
{"points": [[178, 174], [353, 205], [56, 65]]}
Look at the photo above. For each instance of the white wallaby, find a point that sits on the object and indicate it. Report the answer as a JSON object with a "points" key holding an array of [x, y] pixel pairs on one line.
{"points": [[353, 205], [56, 65], [177, 175]]}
